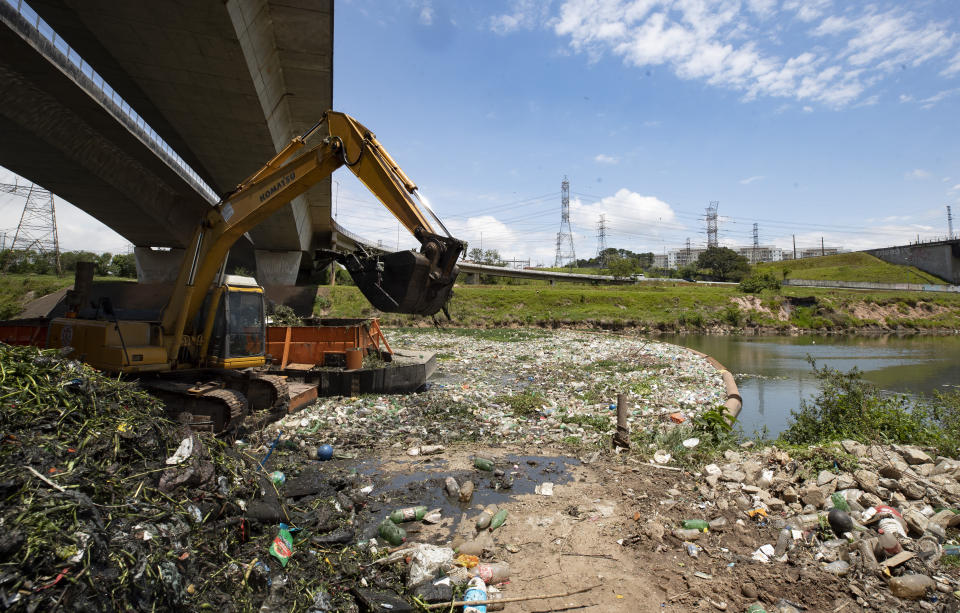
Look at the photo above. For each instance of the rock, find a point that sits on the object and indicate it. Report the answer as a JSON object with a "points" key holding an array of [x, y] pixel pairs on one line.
{"points": [[945, 519], [712, 469], [868, 480], [916, 521], [751, 471], [890, 484], [947, 467], [776, 505], [732, 456], [812, 495], [825, 477], [790, 494], [914, 455], [870, 500], [712, 480], [893, 469], [749, 591], [654, 530], [925, 470], [854, 448], [845, 481], [723, 504], [735, 476], [912, 490], [751, 489]]}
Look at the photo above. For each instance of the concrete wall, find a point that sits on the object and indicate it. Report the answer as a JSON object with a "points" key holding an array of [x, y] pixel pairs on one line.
{"points": [[910, 287], [941, 259]]}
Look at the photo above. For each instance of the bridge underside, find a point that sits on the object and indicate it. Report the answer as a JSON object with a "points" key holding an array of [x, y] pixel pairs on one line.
{"points": [[226, 84]]}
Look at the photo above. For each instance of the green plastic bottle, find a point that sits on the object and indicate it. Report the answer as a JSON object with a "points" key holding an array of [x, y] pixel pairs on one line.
{"points": [[695, 524], [756, 608], [498, 519], [409, 514], [483, 463], [392, 533], [839, 502]]}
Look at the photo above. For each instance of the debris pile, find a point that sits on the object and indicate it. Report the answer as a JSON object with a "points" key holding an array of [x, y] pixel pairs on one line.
{"points": [[520, 386], [880, 520]]}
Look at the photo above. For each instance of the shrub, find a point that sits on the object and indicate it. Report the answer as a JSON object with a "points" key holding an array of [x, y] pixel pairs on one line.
{"points": [[759, 281]]}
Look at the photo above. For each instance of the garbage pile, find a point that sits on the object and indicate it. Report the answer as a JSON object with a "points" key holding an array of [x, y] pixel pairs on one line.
{"points": [[107, 505], [881, 524], [531, 388]]}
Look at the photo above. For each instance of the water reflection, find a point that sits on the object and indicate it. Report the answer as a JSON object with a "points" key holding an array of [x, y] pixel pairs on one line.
{"points": [[774, 374]]}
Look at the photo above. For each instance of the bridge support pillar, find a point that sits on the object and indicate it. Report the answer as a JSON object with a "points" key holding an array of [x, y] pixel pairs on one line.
{"points": [[277, 267], [157, 265]]}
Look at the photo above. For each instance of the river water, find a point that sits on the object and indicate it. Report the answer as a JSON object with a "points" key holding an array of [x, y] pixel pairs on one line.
{"points": [[773, 373]]}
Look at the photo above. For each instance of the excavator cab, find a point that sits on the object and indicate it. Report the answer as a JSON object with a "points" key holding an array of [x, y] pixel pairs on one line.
{"points": [[238, 337]]}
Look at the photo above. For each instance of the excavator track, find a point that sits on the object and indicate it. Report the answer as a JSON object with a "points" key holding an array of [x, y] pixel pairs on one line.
{"points": [[206, 407], [268, 392]]}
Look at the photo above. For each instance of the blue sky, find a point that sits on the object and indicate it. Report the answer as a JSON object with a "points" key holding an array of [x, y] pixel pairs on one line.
{"points": [[814, 118]]}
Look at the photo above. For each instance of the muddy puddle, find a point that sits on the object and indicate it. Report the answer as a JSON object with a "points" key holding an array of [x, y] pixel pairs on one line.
{"points": [[420, 481]]}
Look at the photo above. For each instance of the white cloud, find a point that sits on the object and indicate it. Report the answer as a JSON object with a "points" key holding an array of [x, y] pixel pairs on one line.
{"points": [[918, 174], [953, 67], [626, 212], [426, 15], [725, 44], [652, 123], [929, 102], [750, 180], [602, 158], [906, 98], [955, 188], [525, 15], [808, 109]]}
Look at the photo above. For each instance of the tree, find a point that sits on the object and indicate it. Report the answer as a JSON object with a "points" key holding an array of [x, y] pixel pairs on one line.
{"points": [[723, 264], [622, 268], [124, 265]]}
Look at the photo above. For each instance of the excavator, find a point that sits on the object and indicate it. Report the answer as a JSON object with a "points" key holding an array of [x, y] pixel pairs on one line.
{"points": [[203, 357]]}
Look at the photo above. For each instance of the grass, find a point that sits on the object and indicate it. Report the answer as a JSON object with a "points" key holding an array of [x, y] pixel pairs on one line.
{"points": [[16, 290], [500, 309], [857, 266]]}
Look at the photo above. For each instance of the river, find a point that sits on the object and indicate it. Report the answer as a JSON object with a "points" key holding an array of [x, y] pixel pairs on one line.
{"points": [[773, 373]]}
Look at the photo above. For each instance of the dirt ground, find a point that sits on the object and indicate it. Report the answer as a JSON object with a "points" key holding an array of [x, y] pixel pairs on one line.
{"points": [[599, 528]]}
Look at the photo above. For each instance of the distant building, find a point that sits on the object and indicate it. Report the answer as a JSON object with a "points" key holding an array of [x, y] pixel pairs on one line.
{"points": [[678, 258], [760, 253], [660, 260]]}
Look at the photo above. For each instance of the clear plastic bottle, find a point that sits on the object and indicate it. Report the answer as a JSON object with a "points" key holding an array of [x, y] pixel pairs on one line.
{"points": [[466, 491], [889, 543], [483, 521], [453, 489], [494, 572], [783, 541]]}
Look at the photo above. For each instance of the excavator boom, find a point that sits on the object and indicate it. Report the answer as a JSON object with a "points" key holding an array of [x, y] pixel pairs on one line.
{"points": [[404, 282]]}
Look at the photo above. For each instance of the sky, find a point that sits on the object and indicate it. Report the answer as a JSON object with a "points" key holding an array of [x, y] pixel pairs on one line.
{"points": [[814, 119]]}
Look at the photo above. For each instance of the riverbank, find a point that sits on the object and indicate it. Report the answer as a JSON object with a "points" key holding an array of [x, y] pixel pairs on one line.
{"points": [[677, 308]]}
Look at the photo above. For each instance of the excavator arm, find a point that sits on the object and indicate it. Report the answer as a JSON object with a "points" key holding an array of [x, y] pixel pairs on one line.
{"points": [[403, 282]]}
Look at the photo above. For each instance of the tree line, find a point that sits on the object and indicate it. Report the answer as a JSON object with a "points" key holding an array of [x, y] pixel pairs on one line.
{"points": [[105, 264]]}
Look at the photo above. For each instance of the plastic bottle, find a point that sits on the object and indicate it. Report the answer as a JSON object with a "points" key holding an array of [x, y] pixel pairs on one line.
{"points": [[687, 534], [783, 541], [483, 463], [498, 519], [392, 533], [839, 502], [494, 572], [756, 608], [892, 525], [451, 486], [838, 568], [466, 491], [476, 590], [695, 524], [912, 587], [483, 522], [889, 543], [408, 514], [692, 550]]}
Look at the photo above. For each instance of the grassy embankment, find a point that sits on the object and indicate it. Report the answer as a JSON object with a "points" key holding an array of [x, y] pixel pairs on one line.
{"points": [[675, 307], [857, 266]]}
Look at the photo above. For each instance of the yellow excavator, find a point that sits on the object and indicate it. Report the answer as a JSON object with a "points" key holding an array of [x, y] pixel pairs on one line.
{"points": [[202, 356]]}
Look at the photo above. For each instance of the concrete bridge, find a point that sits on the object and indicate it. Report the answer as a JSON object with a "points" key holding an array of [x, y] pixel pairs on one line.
{"points": [[141, 113], [940, 258]]}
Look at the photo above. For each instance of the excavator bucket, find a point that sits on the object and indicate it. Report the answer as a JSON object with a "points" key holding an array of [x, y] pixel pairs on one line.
{"points": [[417, 283]]}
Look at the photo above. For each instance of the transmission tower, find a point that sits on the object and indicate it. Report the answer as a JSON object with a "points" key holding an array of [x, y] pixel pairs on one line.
{"points": [[37, 230], [949, 223], [712, 223], [756, 243], [565, 235], [602, 240], [686, 253]]}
